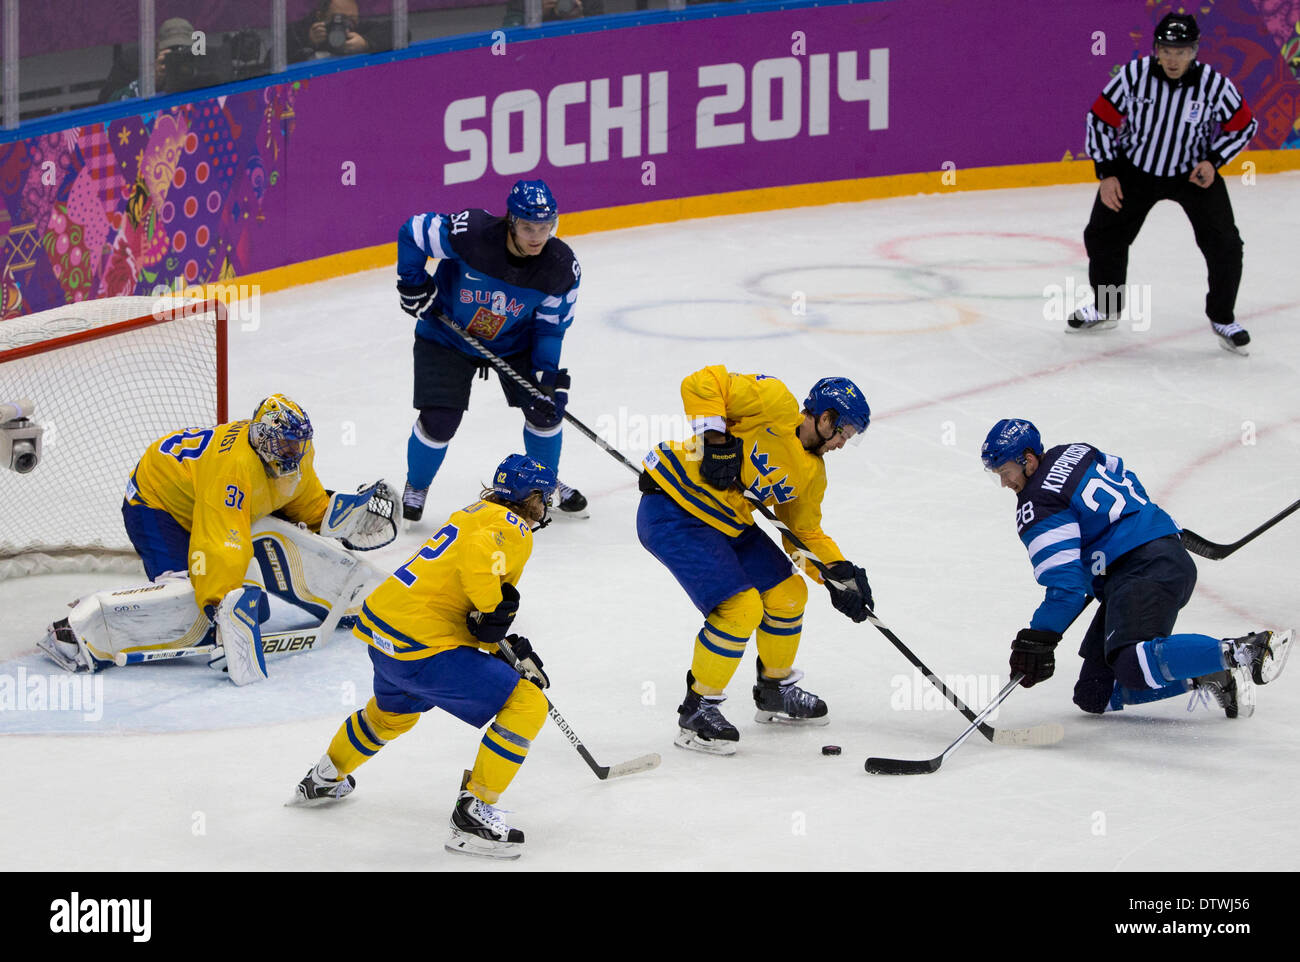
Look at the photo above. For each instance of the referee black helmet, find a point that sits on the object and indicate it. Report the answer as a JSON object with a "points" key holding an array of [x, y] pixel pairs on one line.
{"points": [[1177, 30]]}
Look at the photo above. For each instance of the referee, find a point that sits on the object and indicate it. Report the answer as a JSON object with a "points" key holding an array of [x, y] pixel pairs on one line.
{"points": [[1159, 131]]}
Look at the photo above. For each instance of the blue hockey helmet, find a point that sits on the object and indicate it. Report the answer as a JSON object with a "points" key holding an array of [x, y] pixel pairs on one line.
{"points": [[518, 476], [281, 434], [842, 396], [532, 200], [1177, 30], [1009, 439]]}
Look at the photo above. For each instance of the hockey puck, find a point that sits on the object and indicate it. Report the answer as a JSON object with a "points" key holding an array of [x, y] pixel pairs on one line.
{"points": [[830, 749]]}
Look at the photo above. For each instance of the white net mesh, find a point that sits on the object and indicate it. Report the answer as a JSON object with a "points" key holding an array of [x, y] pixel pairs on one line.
{"points": [[102, 400]]}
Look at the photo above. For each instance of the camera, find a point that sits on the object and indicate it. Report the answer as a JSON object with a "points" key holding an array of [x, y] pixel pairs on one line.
{"points": [[336, 32], [184, 70], [20, 439]]}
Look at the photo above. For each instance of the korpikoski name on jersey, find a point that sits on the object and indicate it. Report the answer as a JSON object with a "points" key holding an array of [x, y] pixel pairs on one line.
{"points": [[503, 300], [1078, 514]]}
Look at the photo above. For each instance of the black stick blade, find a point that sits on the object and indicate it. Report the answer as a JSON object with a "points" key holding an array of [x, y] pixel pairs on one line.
{"points": [[1194, 543], [903, 766]]}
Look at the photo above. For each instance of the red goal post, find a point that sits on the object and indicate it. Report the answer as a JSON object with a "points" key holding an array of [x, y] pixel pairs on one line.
{"points": [[107, 379]]}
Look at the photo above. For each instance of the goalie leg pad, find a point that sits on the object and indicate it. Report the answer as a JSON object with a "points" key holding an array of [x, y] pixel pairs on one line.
{"points": [[304, 569], [239, 635], [139, 618]]}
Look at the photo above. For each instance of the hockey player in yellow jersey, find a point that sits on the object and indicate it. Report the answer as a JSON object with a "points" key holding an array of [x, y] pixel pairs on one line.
{"points": [[433, 628], [189, 511], [751, 438]]}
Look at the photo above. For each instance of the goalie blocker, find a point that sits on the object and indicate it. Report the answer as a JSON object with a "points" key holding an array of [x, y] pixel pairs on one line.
{"points": [[311, 573]]}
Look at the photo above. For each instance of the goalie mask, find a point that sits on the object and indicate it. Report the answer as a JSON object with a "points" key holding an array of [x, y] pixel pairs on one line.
{"points": [[280, 434]]}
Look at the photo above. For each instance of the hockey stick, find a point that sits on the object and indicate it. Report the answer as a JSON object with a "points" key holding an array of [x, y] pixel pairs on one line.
{"points": [[534, 391], [1194, 543], [273, 642], [642, 764], [911, 766], [1048, 734]]}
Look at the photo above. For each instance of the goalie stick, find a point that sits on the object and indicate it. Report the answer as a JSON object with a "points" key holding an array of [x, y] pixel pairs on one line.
{"points": [[1194, 543], [641, 764], [918, 766], [1048, 734]]}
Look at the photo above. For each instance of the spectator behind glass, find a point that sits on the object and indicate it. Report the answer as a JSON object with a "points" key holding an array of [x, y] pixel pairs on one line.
{"points": [[175, 48], [554, 10], [335, 29]]}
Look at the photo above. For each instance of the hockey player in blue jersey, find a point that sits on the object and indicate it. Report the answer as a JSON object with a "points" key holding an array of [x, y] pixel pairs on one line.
{"points": [[1092, 531], [512, 285]]}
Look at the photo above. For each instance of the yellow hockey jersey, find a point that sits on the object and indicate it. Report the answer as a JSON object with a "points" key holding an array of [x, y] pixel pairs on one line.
{"points": [[776, 468], [215, 485], [420, 609]]}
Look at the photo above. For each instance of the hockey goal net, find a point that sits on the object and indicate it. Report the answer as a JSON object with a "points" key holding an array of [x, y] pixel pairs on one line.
{"points": [[107, 378]]}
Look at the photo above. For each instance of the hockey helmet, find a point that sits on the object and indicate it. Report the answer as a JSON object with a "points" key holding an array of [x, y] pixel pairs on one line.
{"points": [[281, 434], [1009, 439], [839, 394], [532, 200], [519, 476], [1177, 30]]}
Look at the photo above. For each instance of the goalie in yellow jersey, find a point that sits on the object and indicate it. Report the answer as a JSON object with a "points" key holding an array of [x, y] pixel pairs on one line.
{"points": [[434, 627], [752, 437], [197, 512]]}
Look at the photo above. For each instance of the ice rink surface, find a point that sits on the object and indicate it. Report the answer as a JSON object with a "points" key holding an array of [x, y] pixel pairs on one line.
{"points": [[936, 306]]}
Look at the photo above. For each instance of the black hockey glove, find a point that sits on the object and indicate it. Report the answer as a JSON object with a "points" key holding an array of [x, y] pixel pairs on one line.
{"points": [[555, 385], [418, 300], [1032, 655], [517, 651], [720, 463], [856, 602], [489, 627]]}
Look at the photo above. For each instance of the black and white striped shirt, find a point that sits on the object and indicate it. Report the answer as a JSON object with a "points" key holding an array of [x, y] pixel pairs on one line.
{"points": [[1166, 127]]}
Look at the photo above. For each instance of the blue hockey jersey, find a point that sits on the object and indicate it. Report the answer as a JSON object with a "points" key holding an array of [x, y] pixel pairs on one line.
{"points": [[511, 304], [1079, 513]]}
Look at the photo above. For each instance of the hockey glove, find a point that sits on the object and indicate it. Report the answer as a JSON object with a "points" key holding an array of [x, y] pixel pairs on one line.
{"points": [[1032, 655], [517, 651], [489, 627], [855, 601], [418, 300], [555, 385], [720, 463]]}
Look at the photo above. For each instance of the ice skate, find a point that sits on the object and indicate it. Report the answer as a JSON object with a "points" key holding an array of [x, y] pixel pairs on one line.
{"points": [[322, 785], [478, 829], [1230, 689], [571, 503], [1088, 320], [68, 651], [413, 502], [702, 727], [781, 701], [1263, 652], [1232, 337]]}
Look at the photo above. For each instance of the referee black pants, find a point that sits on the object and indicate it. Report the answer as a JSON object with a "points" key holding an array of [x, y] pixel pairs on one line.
{"points": [[1110, 233]]}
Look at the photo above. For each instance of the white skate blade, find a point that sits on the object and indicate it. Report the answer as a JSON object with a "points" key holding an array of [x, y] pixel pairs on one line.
{"points": [[1231, 348], [695, 742], [569, 515], [300, 800], [463, 843], [781, 718], [1094, 328], [1245, 692], [1280, 644]]}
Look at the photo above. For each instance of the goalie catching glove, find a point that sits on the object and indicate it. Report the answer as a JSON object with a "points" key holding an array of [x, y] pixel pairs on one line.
{"points": [[362, 521]]}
